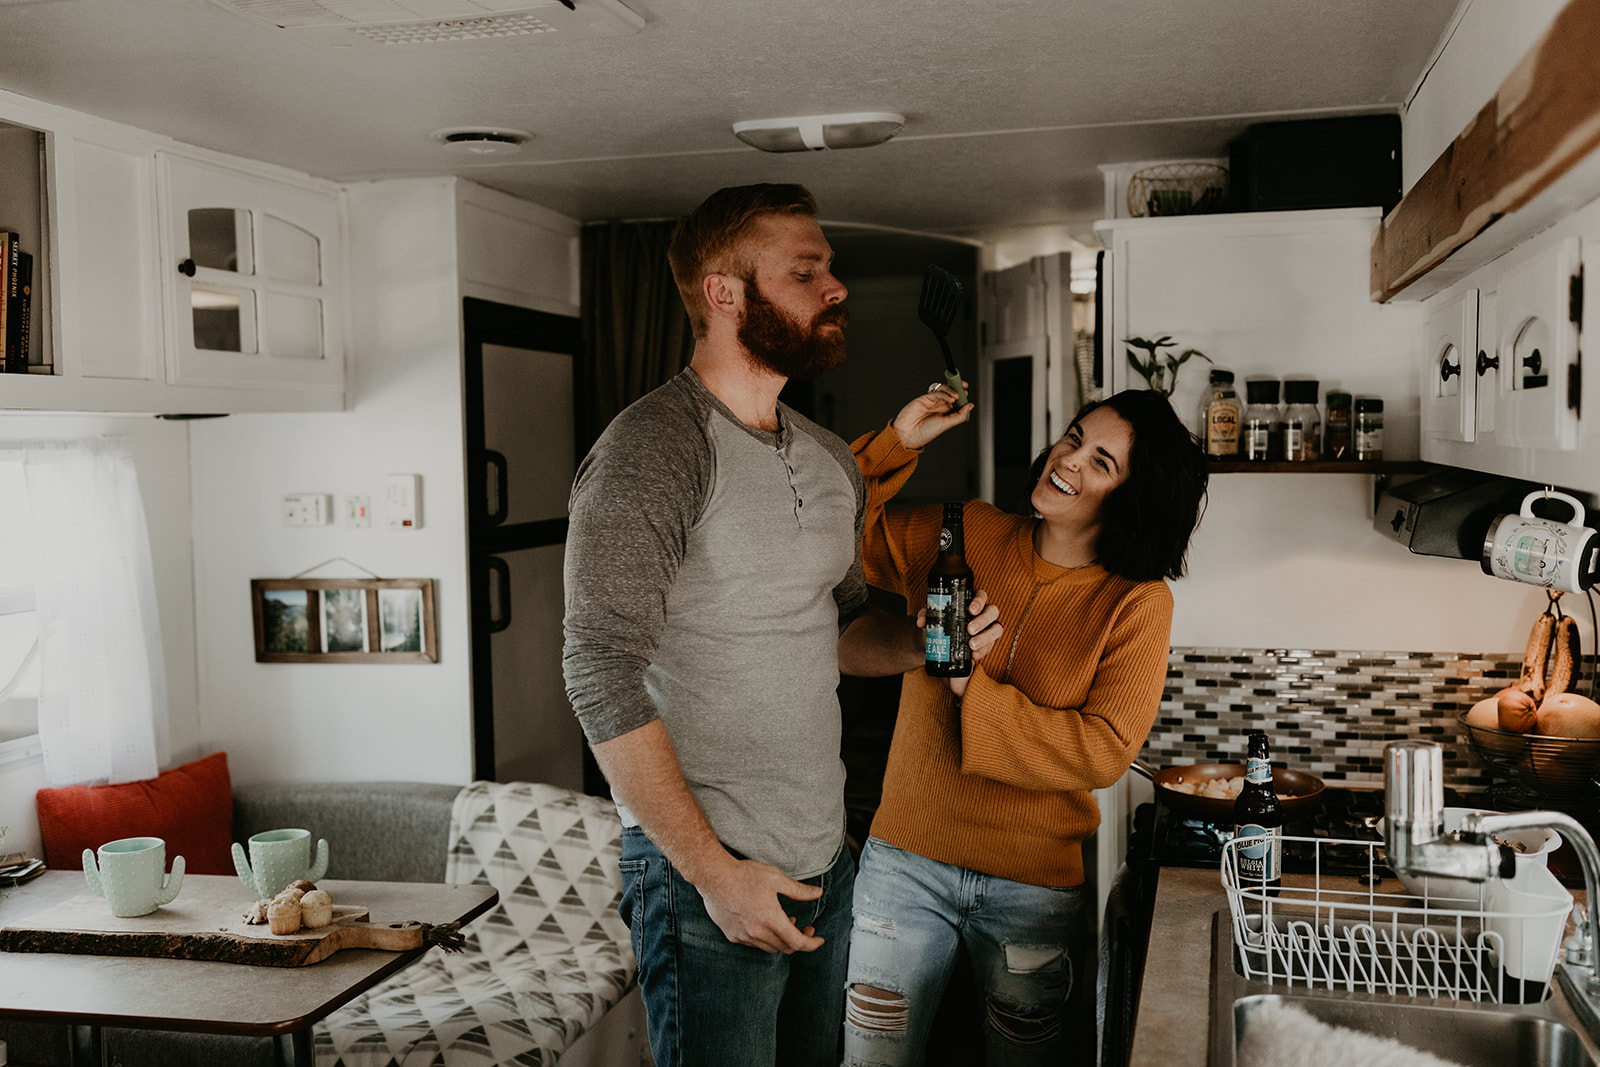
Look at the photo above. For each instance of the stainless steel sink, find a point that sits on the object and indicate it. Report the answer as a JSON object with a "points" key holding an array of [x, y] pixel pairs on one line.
{"points": [[1490, 1035]]}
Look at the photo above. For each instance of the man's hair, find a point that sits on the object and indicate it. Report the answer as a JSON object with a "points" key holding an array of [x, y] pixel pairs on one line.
{"points": [[1146, 522], [712, 238]]}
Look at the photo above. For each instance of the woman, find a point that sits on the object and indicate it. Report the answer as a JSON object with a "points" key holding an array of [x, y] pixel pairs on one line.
{"points": [[977, 843]]}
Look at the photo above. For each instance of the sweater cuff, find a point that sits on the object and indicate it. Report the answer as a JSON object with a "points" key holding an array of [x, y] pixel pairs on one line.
{"points": [[881, 452]]}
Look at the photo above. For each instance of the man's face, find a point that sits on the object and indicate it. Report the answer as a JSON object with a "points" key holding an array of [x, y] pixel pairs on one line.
{"points": [[794, 317]]}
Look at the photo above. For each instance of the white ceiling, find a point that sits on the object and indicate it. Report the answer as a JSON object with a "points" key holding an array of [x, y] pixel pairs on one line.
{"points": [[1010, 105]]}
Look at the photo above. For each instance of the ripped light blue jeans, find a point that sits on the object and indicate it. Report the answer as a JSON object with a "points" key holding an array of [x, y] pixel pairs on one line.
{"points": [[912, 917]]}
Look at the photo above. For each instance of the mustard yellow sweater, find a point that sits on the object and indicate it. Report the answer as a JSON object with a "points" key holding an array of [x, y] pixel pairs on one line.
{"points": [[1001, 782]]}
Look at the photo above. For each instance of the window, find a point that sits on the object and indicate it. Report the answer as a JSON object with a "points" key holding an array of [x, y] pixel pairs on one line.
{"points": [[19, 622]]}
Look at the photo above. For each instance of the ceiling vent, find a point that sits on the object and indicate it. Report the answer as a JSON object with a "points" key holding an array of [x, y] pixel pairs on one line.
{"points": [[406, 25], [483, 140]]}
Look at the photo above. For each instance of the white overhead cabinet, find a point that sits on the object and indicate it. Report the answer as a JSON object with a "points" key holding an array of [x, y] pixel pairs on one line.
{"points": [[255, 320], [1276, 294], [252, 279], [1452, 370], [1520, 405]]}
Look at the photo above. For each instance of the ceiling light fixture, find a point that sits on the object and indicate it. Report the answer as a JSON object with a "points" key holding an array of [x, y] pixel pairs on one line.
{"points": [[859, 129], [483, 141]]}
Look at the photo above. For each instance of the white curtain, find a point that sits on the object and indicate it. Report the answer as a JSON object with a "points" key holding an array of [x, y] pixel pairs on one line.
{"points": [[102, 683]]}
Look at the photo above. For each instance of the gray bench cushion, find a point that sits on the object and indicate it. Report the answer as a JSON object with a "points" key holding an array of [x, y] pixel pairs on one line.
{"points": [[376, 831]]}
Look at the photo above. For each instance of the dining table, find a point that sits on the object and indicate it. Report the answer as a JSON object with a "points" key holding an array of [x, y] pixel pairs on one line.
{"points": [[87, 991]]}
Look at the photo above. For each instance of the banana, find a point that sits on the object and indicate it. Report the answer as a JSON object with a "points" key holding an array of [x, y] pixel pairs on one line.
{"points": [[1565, 655], [1532, 680]]}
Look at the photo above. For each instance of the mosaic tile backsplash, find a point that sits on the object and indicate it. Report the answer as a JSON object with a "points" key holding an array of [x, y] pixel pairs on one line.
{"points": [[1328, 713]]}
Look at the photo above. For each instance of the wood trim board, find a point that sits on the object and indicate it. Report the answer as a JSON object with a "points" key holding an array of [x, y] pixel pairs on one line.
{"points": [[1542, 122]]}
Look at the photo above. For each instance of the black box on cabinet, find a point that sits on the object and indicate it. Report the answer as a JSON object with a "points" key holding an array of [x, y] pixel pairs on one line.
{"points": [[1352, 161]]}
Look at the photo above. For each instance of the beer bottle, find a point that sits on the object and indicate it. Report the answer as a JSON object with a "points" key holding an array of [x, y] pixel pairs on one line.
{"points": [[1257, 816], [949, 595]]}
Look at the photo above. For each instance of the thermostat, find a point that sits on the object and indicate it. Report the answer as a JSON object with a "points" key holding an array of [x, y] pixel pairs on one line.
{"points": [[402, 502]]}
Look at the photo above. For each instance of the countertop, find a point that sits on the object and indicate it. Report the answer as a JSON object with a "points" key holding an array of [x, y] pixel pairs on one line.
{"points": [[1173, 1025]]}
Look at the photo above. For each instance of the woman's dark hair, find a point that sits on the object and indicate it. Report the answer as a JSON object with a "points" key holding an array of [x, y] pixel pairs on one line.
{"points": [[1146, 522]]}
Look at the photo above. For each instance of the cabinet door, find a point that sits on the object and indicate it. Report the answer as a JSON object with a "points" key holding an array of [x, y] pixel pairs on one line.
{"points": [[1449, 373], [253, 276], [1537, 345]]}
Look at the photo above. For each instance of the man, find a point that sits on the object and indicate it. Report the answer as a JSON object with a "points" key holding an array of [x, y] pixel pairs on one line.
{"points": [[714, 593]]}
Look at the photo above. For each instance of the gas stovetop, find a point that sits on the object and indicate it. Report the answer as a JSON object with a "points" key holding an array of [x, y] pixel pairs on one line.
{"points": [[1346, 814]]}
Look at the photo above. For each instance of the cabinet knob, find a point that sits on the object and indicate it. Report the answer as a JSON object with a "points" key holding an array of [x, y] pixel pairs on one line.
{"points": [[1447, 369], [186, 268], [1485, 362], [1533, 361]]}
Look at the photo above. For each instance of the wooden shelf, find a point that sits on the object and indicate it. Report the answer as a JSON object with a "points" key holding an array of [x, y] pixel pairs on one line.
{"points": [[1332, 466]]}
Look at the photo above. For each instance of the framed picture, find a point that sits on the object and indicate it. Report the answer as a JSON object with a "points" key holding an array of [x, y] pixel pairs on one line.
{"points": [[344, 620]]}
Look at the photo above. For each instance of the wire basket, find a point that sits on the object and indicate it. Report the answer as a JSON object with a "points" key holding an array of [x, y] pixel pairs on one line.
{"points": [[1178, 189], [1554, 769], [1363, 941]]}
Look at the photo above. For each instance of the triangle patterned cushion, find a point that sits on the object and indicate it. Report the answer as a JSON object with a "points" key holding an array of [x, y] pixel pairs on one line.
{"points": [[538, 970]]}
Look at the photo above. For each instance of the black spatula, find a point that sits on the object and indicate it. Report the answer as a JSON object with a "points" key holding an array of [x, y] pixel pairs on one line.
{"points": [[941, 299]]}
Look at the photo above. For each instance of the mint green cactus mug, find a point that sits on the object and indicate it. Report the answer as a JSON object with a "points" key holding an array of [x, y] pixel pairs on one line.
{"points": [[131, 874], [278, 857]]}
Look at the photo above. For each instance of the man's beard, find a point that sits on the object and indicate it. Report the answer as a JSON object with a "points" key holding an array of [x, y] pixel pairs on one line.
{"points": [[778, 343]]}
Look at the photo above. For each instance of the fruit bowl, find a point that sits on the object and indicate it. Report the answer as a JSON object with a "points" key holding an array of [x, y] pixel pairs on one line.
{"points": [[1556, 768]]}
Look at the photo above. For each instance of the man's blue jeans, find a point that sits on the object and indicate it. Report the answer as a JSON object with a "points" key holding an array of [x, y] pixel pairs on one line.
{"points": [[711, 1003], [1027, 945]]}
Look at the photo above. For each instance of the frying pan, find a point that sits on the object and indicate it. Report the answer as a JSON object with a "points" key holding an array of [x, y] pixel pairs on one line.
{"points": [[1298, 793]]}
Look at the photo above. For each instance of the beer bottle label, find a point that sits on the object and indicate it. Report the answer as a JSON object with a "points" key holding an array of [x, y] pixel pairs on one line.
{"points": [[938, 637], [1260, 854]]}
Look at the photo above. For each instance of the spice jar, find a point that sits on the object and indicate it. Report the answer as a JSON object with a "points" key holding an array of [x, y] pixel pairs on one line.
{"points": [[1219, 416], [1337, 442], [1261, 432], [1369, 427], [1301, 424]]}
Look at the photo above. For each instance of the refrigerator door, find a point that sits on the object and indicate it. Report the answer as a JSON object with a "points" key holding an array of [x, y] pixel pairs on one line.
{"points": [[521, 389]]}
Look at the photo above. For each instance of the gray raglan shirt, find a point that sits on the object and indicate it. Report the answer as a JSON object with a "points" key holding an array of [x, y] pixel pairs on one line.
{"points": [[710, 568]]}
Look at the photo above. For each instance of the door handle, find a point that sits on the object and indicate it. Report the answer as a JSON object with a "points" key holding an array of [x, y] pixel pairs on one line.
{"points": [[499, 593], [499, 506]]}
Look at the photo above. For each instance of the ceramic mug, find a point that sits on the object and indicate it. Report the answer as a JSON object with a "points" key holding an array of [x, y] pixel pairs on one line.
{"points": [[278, 857], [132, 875], [1556, 555]]}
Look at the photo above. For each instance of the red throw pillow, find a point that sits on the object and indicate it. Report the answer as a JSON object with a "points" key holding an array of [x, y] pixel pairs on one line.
{"points": [[190, 807]]}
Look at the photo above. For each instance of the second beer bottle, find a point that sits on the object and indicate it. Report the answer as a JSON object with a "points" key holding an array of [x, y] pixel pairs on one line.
{"points": [[1258, 818], [949, 595]]}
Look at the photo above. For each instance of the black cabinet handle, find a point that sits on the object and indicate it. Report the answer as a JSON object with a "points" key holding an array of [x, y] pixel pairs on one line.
{"points": [[500, 593], [1533, 361], [1485, 362], [1447, 369], [500, 505], [186, 268]]}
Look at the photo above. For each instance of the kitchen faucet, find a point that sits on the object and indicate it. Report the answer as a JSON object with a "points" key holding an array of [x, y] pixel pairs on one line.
{"points": [[1415, 841]]}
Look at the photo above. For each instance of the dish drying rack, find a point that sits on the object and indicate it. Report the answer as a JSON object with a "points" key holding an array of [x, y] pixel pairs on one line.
{"points": [[1359, 940]]}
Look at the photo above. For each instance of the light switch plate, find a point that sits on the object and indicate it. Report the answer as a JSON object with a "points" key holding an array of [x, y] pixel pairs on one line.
{"points": [[307, 509], [358, 510], [402, 502]]}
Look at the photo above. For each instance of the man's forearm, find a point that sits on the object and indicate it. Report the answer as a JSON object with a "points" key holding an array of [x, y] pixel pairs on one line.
{"points": [[643, 769], [878, 644]]}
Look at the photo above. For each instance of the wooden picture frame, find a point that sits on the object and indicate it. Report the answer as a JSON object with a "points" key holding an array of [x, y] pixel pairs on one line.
{"points": [[344, 620]]}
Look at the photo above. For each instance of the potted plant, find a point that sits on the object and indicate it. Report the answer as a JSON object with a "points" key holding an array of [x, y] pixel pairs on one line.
{"points": [[1159, 369]]}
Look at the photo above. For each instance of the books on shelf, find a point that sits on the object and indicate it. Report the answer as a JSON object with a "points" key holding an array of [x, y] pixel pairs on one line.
{"points": [[15, 355], [32, 354]]}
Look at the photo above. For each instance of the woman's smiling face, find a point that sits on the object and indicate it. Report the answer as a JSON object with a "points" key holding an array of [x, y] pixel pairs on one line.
{"points": [[1084, 467]]}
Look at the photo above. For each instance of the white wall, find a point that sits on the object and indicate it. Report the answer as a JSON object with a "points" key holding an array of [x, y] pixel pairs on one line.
{"points": [[348, 721], [1292, 561], [160, 452]]}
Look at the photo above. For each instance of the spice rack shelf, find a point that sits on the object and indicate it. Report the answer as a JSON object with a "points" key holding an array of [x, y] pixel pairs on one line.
{"points": [[1332, 466]]}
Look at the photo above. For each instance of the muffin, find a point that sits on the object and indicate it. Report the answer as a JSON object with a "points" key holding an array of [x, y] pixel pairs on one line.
{"points": [[302, 885], [316, 909], [283, 915]]}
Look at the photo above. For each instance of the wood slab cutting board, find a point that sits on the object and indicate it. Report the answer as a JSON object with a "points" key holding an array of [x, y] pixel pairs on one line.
{"points": [[200, 927]]}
